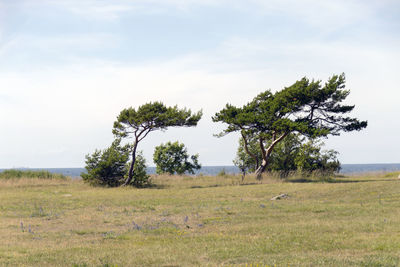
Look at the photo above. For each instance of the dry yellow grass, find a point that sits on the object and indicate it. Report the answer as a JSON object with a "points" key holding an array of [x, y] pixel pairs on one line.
{"points": [[199, 221]]}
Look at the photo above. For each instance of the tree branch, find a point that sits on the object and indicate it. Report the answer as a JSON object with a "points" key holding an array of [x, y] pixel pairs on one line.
{"points": [[274, 142], [263, 152], [247, 149], [149, 130]]}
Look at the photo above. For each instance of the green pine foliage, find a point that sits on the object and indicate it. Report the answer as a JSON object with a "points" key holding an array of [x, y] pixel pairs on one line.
{"points": [[147, 118], [107, 167], [173, 158], [153, 116], [306, 107]]}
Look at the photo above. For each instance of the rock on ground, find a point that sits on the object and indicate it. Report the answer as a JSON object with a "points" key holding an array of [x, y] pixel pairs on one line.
{"points": [[280, 196]]}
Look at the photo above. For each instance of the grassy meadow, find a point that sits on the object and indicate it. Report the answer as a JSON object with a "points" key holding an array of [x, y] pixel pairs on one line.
{"points": [[202, 221]]}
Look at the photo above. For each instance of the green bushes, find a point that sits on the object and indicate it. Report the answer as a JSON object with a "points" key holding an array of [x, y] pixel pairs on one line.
{"points": [[107, 167], [110, 167], [295, 154], [11, 174], [173, 158], [140, 176]]}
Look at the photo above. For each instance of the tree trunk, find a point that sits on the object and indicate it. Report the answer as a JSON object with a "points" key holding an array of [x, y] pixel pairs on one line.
{"points": [[131, 169], [248, 151], [266, 153], [264, 162], [261, 169]]}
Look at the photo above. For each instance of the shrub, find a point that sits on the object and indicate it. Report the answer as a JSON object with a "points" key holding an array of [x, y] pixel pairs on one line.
{"points": [[293, 154], [110, 167], [140, 176], [107, 167], [173, 158]]}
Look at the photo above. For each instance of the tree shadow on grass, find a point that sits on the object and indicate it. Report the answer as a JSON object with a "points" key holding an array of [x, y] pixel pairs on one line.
{"points": [[222, 185], [158, 186], [250, 183], [205, 186], [338, 181]]}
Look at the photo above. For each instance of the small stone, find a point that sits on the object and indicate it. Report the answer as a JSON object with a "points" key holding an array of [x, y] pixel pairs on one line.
{"points": [[280, 196]]}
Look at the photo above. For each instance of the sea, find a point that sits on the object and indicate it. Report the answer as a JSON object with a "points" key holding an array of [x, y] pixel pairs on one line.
{"points": [[347, 169]]}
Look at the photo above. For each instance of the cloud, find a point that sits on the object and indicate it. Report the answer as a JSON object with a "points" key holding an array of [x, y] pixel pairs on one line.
{"points": [[114, 10], [61, 112], [90, 9], [27, 51], [74, 106], [2, 20], [63, 42], [317, 13]]}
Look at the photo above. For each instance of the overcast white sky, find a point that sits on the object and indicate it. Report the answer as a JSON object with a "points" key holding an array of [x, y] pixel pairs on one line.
{"points": [[68, 67]]}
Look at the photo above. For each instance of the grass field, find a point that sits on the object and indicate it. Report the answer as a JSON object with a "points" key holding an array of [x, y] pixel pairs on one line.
{"points": [[214, 221]]}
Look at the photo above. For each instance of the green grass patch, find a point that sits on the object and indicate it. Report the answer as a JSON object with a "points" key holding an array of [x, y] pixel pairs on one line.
{"points": [[392, 175], [12, 174], [204, 221]]}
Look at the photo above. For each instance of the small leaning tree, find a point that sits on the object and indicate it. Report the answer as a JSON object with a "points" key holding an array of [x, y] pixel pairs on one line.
{"points": [[147, 118], [306, 107]]}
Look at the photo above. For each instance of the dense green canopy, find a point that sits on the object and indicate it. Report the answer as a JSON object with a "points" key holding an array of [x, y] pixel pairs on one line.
{"points": [[152, 116], [173, 158], [306, 107]]}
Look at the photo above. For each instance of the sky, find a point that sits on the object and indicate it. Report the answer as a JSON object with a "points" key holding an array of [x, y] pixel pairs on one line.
{"points": [[68, 67]]}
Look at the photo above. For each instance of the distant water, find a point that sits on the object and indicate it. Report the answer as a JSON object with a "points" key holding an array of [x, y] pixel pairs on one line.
{"points": [[362, 168], [214, 170], [76, 172]]}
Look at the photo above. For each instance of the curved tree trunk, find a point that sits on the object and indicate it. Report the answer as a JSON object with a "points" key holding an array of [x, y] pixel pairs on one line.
{"points": [[131, 168], [261, 169], [266, 153], [246, 148]]}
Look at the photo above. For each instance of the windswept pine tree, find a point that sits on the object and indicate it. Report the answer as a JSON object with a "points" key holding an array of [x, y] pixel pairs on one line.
{"points": [[306, 107], [147, 118]]}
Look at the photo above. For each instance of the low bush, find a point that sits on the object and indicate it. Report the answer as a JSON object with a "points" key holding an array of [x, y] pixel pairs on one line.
{"points": [[109, 167]]}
